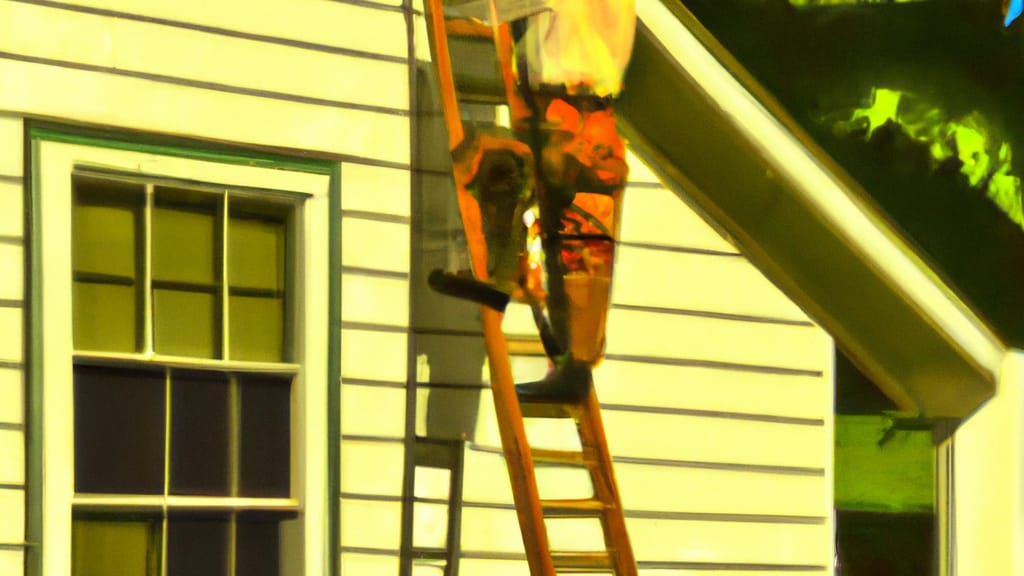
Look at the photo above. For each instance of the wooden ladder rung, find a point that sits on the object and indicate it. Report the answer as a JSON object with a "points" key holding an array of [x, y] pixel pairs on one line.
{"points": [[468, 28], [582, 562], [573, 508], [571, 457], [538, 408], [525, 346]]}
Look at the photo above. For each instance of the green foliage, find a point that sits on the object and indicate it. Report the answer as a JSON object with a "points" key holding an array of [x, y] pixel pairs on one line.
{"points": [[969, 142], [879, 472]]}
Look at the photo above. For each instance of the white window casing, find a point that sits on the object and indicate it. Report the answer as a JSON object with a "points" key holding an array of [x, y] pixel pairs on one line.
{"points": [[54, 163]]}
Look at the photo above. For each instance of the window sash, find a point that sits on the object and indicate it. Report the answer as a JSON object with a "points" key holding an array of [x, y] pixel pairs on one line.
{"points": [[53, 163], [228, 212]]}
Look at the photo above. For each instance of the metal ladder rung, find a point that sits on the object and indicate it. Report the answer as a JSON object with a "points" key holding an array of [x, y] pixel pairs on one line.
{"points": [[574, 508]]}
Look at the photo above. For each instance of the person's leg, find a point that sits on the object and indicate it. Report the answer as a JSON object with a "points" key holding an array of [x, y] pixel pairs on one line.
{"points": [[588, 173], [582, 172]]}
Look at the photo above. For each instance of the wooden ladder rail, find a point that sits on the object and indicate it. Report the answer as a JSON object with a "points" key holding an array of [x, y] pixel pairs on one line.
{"points": [[518, 457]]}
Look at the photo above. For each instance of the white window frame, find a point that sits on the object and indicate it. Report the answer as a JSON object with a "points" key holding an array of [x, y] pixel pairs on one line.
{"points": [[54, 163]]}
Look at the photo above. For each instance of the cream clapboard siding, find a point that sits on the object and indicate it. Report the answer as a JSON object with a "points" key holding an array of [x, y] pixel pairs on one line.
{"points": [[12, 392], [374, 344], [717, 396], [309, 75]]}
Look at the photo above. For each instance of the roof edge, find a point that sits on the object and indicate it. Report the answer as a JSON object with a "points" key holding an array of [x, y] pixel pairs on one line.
{"points": [[779, 182]]}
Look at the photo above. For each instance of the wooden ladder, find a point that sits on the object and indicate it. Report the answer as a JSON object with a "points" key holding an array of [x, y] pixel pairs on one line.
{"points": [[511, 407]]}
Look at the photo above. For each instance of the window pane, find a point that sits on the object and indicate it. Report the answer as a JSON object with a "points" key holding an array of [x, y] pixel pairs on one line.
{"points": [[258, 546], [186, 323], [197, 546], [123, 547], [119, 431], [186, 237], [105, 223], [199, 434], [106, 230], [266, 437], [257, 328], [104, 317], [256, 248]]}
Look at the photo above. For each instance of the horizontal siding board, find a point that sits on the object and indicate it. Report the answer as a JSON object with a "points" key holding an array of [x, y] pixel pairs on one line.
{"points": [[11, 335], [698, 282], [371, 524], [685, 438], [11, 137], [697, 569], [421, 41], [376, 189], [11, 396], [486, 478], [453, 359], [198, 56], [103, 98], [500, 567], [638, 170], [353, 26], [12, 561], [704, 491], [474, 566], [370, 355], [12, 282], [518, 321], [496, 531], [372, 411], [374, 300], [712, 389], [727, 542], [698, 439], [12, 219], [647, 488], [636, 333], [490, 530], [12, 510], [429, 525], [372, 467], [375, 245], [447, 412], [432, 483], [356, 563], [657, 216], [12, 456]]}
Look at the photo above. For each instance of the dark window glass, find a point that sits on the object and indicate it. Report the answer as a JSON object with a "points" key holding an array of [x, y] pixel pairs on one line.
{"points": [[257, 546], [265, 436], [119, 431], [199, 434], [197, 546]]}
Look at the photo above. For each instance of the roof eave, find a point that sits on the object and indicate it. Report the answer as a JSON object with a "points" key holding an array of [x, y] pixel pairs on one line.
{"points": [[731, 152]]}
